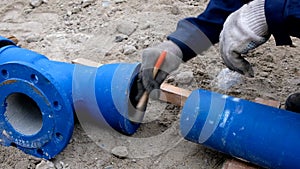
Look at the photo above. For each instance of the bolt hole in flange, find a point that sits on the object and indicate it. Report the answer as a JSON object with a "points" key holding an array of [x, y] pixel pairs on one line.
{"points": [[59, 136], [4, 73], [34, 78], [23, 114], [57, 106]]}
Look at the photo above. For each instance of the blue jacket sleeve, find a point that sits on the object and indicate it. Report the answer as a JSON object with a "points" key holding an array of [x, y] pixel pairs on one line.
{"points": [[195, 34], [283, 19]]}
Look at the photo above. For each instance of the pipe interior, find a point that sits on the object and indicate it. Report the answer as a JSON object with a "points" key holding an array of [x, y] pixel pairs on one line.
{"points": [[23, 114]]}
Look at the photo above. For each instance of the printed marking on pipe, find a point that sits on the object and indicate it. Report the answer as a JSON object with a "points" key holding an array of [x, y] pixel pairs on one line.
{"points": [[226, 115]]}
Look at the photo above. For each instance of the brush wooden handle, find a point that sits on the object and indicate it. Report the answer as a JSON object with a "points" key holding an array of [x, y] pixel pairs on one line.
{"points": [[144, 99]]}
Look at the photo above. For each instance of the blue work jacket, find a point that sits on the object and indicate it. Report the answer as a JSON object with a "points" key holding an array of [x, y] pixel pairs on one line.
{"points": [[195, 34]]}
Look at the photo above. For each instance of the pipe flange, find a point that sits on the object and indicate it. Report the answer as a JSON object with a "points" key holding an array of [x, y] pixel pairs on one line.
{"points": [[36, 115]]}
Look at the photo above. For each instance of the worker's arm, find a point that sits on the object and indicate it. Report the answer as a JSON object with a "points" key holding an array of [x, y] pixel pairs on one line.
{"points": [[283, 19], [192, 36], [196, 34]]}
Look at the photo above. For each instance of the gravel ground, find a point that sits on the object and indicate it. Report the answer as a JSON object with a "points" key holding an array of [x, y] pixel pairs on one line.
{"points": [[110, 31]]}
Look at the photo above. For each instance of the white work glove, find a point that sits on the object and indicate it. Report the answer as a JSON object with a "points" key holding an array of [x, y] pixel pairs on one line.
{"points": [[149, 58], [243, 30]]}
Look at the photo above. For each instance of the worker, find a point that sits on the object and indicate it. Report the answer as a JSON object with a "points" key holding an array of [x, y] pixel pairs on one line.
{"points": [[238, 26]]}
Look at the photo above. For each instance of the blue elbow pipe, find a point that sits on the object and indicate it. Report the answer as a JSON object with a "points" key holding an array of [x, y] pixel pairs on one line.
{"points": [[263, 135], [38, 100]]}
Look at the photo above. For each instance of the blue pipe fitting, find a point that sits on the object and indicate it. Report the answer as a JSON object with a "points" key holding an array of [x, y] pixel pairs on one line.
{"points": [[263, 135], [37, 109], [107, 104], [36, 113]]}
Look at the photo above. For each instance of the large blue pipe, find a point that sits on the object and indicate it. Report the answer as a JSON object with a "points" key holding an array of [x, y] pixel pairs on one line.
{"points": [[38, 99], [263, 135]]}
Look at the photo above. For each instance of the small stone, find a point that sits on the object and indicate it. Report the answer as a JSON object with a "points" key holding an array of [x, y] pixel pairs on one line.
{"points": [[264, 74], [119, 1], [146, 43], [86, 3], [45, 1], [58, 166], [120, 38], [126, 28], [106, 3], [175, 10], [33, 38], [64, 165], [294, 82], [120, 151], [76, 10], [45, 165], [108, 167], [184, 77], [28, 10], [36, 3], [129, 49], [68, 23], [61, 165], [69, 13], [145, 26]]}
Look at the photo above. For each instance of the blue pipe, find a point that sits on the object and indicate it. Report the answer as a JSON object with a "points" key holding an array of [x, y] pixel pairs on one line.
{"points": [[38, 100], [263, 135]]}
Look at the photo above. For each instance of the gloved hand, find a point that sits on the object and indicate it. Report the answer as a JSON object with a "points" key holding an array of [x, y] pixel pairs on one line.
{"points": [[243, 30], [149, 57]]}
